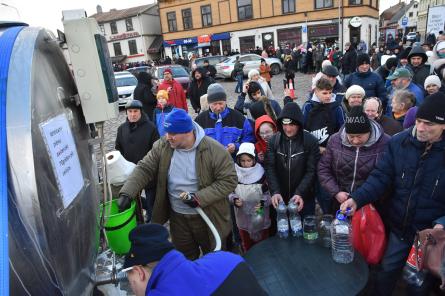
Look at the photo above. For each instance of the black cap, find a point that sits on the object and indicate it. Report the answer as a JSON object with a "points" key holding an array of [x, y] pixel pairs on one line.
{"points": [[390, 63], [149, 243], [433, 108], [330, 70], [363, 58], [357, 122], [133, 104]]}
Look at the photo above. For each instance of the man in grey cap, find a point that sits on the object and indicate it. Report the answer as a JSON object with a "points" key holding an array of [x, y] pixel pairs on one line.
{"points": [[401, 79], [227, 126]]}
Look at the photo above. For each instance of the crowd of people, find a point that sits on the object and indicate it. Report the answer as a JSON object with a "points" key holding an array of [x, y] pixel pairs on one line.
{"points": [[369, 132]]}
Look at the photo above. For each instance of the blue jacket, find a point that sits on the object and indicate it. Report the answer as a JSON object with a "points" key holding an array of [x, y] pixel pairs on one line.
{"points": [[231, 127], [322, 120], [159, 118], [371, 82], [412, 87], [219, 273], [417, 183]]}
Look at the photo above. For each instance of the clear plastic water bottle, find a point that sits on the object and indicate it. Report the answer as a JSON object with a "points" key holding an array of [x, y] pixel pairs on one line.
{"points": [[295, 220], [282, 222], [411, 273], [341, 234]]}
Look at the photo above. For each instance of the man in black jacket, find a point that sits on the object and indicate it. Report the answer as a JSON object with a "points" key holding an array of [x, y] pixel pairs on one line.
{"points": [[209, 69], [143, 93], [417, 59], [291, 161], [198, 87], [135, 138], [349, 60]]}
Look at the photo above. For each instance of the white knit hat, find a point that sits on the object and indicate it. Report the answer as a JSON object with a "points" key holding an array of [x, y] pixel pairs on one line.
{"points": [[432, 79], [326, 63], [246, 148], [355, 90], [252, 73]]}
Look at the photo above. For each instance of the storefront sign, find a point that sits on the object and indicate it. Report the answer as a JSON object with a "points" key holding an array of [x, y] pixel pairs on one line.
{"points": [[323, 31], [436, 19], [185, 41], [355, 22], [220, 36], [124, 36], [203, 40], [291, 36]]}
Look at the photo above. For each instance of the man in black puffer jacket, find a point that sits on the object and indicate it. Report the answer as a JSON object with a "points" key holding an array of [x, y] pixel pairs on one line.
{"points": [[291, 161], [198, 87]]}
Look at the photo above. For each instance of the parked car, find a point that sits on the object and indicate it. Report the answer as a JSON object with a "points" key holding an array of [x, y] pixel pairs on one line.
{"points": [[411, 36], [125, 83], [121, 73], [136, 70], [179, 73], [213, 60], [250, 61]]}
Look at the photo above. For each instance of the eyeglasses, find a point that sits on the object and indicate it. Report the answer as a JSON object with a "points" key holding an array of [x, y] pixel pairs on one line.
{"points": [[265, 134]]}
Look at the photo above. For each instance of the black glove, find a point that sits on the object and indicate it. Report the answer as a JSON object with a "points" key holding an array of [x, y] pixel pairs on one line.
{"points": [[189, 199], [123, 202]]}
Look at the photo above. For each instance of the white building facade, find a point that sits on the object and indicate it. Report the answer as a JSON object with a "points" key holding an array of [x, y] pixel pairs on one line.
{"points": [[132, 34]]}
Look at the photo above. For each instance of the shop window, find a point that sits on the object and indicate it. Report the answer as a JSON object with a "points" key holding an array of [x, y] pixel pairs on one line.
{"points": [[247, 44], [132, 46], [113, 28], [206, 15], [325, 3], [171, 19], [355, 2], [129, 24], [288, 6], [244, 10], [102, 29], [117, 49], [226, 45], [187, 19]]}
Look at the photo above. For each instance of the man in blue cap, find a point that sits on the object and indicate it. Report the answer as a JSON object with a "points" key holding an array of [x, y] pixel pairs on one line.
{"points": [[185, 160], [154, 267]]}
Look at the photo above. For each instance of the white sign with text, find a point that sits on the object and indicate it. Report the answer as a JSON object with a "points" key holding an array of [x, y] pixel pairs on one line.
{"points": [[436, 20], [63, 154]]}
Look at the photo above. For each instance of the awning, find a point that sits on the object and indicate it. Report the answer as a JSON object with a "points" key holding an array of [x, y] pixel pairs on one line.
{"points": [[156, 45], [118, 59], [220, 36]]}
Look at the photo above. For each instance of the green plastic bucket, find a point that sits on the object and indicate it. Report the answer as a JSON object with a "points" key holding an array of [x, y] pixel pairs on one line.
{"points": [[118, 225]]}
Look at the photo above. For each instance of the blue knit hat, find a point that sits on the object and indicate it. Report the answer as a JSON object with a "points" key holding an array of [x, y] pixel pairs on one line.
{"points": [[178, 122]]}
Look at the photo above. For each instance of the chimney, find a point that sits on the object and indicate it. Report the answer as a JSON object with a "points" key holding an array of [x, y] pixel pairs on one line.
{"points": [[99, 9]]}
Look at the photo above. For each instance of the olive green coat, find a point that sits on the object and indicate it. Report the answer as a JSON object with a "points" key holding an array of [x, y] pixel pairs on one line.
{"points": [[215, 171]]}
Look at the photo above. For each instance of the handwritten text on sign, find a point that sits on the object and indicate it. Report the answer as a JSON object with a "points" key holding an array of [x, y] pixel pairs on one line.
{"points": [[62, 151]]}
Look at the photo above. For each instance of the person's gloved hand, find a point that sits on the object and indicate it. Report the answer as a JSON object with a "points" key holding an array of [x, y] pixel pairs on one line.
{"points": [[189, 199], [123, 202]]}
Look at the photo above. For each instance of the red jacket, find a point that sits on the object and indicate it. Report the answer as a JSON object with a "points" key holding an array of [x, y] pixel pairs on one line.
{"points": [[261, 145], [176, 94]]}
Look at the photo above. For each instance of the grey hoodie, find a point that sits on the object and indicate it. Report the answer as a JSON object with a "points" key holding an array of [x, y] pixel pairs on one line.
{"points": [[182, 174]]}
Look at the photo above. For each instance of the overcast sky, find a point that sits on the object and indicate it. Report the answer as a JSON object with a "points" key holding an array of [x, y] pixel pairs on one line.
{"points": [[48, 13]]}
